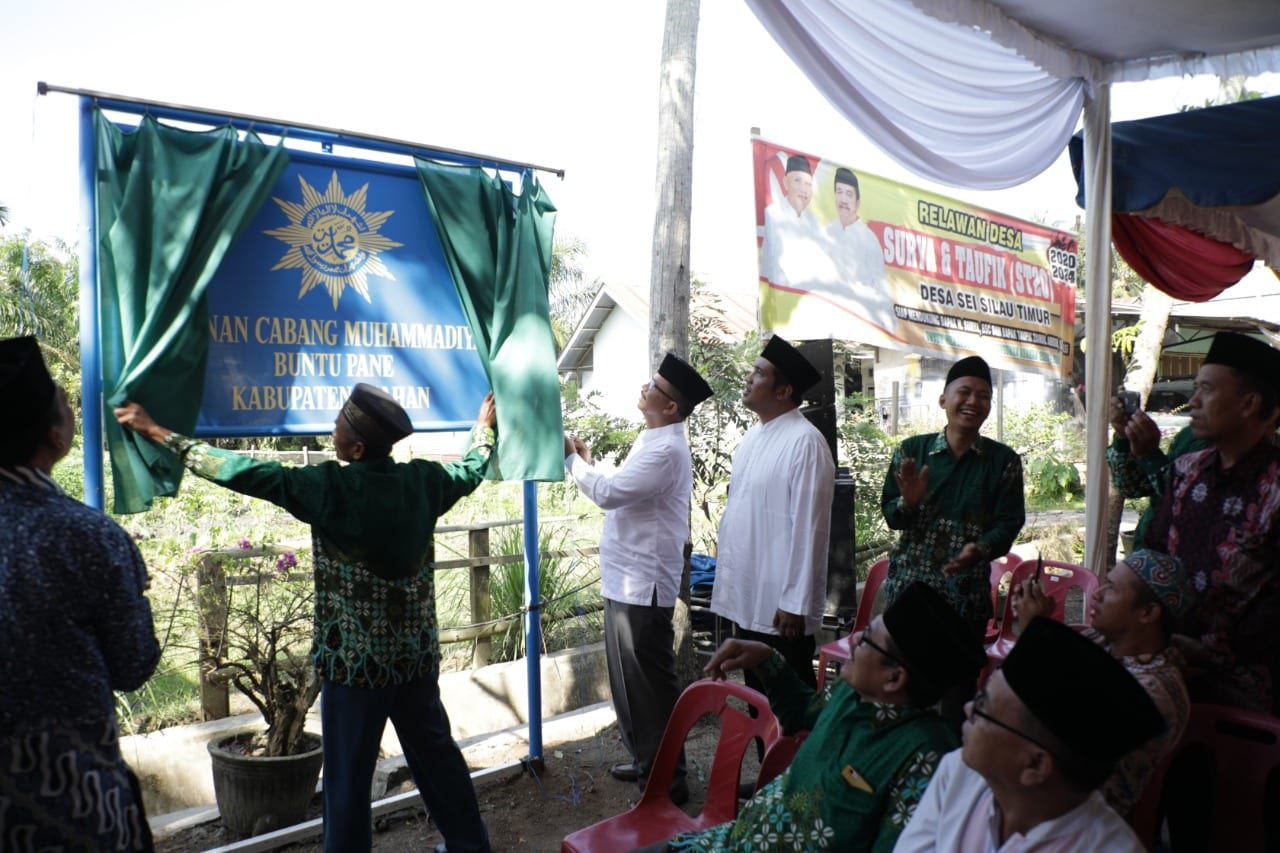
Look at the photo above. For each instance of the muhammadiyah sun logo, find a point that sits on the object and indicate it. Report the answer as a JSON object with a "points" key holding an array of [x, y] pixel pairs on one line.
{"points": [[333, 240]]}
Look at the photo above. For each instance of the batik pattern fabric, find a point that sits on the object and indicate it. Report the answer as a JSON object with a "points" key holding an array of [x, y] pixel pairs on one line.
{"points": [[854, 782], [1160, 675], [1147, 477], [1222, 524], [75, 625], [372, 524], [976, 498]]}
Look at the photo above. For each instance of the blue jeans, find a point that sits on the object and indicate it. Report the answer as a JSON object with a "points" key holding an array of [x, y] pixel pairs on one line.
{"points": [[353, 719]]}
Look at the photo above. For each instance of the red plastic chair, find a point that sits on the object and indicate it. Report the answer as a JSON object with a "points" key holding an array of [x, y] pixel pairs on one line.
{"points": [[656, 817], [836, 652], [1243, 749], [778, 757], [999, 568], [1058, 580]]}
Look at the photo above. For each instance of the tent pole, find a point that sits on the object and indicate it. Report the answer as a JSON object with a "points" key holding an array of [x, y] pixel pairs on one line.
{"points": [[533, 619], [90, 340], [1097, 145]]}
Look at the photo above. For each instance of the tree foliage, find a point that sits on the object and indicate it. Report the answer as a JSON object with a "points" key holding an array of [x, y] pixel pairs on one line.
{"points": [[42, 298], [717, 425], [569, 291]]}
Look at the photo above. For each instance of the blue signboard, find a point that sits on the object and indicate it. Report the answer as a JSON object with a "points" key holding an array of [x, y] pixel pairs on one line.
{"points": [[339, 279]]}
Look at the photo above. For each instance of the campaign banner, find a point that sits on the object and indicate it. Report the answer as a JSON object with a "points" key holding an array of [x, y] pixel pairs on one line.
{"points": [[339, 279], [849, 255]]}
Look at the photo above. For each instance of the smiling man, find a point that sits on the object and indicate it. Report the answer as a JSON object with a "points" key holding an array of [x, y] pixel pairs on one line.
{"points": [[957, 498], [792, 234], [1220, 516]]}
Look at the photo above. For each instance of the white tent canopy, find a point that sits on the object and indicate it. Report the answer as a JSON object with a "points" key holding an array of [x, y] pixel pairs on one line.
{"points": [[984, 95]]}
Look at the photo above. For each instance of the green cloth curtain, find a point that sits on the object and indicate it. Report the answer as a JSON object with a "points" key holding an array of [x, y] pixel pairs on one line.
{"points": [[170, 203], [498, 248]]}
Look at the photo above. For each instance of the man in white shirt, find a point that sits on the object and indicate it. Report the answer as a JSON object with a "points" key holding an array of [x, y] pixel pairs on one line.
{"points": [[646, 524], [1039, 739], [793, 251], [771, 561]]}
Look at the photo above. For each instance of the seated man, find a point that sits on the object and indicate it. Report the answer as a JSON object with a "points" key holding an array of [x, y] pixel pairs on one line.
{"points": [[876, 738], [1133, 615], [1041, 736]]}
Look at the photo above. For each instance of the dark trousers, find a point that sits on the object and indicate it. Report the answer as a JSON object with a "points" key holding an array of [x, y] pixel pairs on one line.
{"points": [[639, 645], [797, 651], [353, 719]]}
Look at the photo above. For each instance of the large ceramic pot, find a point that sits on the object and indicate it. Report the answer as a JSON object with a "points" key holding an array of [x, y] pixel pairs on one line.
{"points": [[258, 794]]}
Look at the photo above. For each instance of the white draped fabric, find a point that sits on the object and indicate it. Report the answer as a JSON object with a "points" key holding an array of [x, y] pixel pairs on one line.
{"points": [[946, 102]]}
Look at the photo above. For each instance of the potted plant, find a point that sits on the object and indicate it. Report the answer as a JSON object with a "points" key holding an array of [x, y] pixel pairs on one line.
{"points": [[257, 612]]}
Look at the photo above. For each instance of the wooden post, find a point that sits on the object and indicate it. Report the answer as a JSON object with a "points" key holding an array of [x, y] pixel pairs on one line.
{"points": [[893, 417], [211, 601], [478, 546]]}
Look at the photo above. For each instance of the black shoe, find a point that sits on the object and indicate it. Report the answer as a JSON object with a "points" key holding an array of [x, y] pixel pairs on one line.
{"points": [[746, 790], [627, 772], [680, 791]]}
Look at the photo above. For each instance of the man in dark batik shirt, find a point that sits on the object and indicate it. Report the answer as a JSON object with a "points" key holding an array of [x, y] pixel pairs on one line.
{"points": [[1220, 517], [74, 626]]}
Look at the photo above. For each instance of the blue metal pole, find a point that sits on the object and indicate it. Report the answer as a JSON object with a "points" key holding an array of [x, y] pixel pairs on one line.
{"points": [[90, 340], [533, 618]]}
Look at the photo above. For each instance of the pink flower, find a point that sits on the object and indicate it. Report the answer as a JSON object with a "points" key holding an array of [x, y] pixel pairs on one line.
{"points": [[245, 544]]}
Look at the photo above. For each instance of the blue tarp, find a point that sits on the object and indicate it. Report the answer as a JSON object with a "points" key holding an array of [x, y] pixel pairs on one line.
{"points": [[1217, 156]]}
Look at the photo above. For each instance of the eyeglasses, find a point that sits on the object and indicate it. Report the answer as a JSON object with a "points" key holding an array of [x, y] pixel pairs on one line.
{"points": [[654, 386], [980, 701], [865, 640]]}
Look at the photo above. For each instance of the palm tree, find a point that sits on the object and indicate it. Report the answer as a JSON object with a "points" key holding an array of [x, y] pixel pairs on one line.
{"points": [[569, 293]]}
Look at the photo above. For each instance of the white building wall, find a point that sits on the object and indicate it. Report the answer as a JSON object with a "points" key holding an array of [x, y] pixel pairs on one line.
{"points": [[620, 359]]}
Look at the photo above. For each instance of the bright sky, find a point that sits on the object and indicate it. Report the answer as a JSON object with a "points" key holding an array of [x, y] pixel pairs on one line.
{"points": [[570, 84]]}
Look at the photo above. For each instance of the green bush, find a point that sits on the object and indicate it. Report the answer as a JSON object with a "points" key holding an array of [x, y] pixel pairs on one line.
{"points": [[568, 588], [1050, 444], [867, 450]]}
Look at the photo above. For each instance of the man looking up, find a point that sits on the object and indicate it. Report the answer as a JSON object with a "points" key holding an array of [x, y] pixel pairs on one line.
{"points": [[957, 498], [1219, 517], [1036, 747], [646, 524], [376, 644], [875, 741], [771, 553], [1132, 615]]}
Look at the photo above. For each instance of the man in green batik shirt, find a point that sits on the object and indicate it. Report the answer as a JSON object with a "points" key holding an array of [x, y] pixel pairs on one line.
{"points": [[1139, 468], [376, 643], [876, 739], [957, 498]]}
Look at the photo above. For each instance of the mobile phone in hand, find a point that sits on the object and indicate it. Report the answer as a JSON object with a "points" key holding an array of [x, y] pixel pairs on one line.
{"points": [[1130, 400]]}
